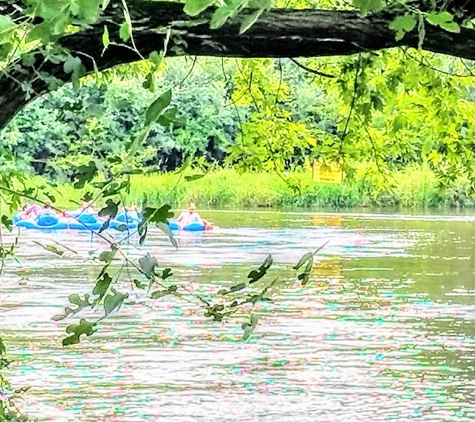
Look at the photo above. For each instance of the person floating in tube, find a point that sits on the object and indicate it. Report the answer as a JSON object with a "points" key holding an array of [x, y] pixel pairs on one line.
{"points": [[190, 216]]}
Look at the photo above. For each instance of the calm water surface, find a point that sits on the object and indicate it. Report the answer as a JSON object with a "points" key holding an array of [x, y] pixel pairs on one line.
{"points": [[384, 331]]}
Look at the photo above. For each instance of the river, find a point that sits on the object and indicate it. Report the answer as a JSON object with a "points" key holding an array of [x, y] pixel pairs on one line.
{"points": [[384, 331]]}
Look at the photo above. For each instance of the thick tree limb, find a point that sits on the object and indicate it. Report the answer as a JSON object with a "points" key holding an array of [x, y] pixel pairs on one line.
{"points": [[277, 33]]}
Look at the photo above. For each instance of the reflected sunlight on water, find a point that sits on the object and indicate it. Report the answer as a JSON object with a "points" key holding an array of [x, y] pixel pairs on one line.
{"points": [[385, 330]]}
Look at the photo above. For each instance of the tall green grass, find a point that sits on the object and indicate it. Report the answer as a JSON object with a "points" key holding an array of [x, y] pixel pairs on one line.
{"points": [[416, 186]]}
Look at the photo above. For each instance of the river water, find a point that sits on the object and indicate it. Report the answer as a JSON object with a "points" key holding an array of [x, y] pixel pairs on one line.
{"points": [[384, 331]]}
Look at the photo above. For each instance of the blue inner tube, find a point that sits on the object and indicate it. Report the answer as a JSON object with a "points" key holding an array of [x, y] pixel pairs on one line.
{"points": [[46, 220], [193, 227], [87, 218], [43, 222], [86, 222], [123, 217]]}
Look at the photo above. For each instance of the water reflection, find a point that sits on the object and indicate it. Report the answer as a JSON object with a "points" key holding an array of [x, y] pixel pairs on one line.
{"points": [[385, 330]]}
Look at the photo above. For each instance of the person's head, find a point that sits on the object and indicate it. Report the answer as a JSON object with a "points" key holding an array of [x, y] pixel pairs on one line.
{"points": [[192, 207], [24, 207], [48, 204]]}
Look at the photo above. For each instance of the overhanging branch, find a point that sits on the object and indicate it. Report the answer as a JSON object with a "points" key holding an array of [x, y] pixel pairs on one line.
{"points": [[278, 33]]}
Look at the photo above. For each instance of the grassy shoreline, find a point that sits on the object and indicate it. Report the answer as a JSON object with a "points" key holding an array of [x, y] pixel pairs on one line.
{"points": [[415, 187]]}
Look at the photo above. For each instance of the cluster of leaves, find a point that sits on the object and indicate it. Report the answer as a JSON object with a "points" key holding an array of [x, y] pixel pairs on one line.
{"points": [[157, 283]]}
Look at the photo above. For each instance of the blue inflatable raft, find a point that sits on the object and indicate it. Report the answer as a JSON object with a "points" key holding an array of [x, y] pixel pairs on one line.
{"points": [[81, 221], [193, 227], [84, 221]]}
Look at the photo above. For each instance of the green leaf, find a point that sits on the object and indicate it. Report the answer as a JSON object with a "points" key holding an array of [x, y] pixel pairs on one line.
{"points": [[444, 20], [195, 7], [155, 57], [3, 349], [148, 263], [403, 24], [50, 248], [256, 275], [165, 229], [156, 108], [137, 141], [160, 293], [223, 13], [125, 31], [101, 287], [88, 10], [110, 210], [121, 228], [249, 20], [114, 301], [7, 26], [193, 177], [85, 173], [74, 66], [108, 256], [157, 215], [105, 38], [233, 289], [249, 327], [307, 257], [77, 330], [169, 117], [166, 273], [421, 31], [41, 32], [7, 222], [105, 225], [399, 123], [366, 6]]}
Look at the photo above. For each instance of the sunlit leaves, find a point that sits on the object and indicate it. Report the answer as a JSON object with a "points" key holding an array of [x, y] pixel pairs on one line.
{"points": [[125, 31], [7, 27], [403, 24], [444, 20], [367, 6], [226, 11], [87, 10], [105, 38], [195, 7], [77, 330]]}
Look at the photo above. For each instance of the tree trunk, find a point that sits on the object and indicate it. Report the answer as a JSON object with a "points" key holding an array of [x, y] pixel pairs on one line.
{"points": [[277, 33]]}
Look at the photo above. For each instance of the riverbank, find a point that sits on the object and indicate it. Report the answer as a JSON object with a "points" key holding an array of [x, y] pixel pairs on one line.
{"points": [[415, 187]]}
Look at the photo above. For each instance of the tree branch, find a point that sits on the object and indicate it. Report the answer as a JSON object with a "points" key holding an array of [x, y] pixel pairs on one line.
{"points": [[278, 33]]}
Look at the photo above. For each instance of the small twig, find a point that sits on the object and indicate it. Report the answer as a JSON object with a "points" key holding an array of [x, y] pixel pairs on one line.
{"points": [[310, 70]]}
